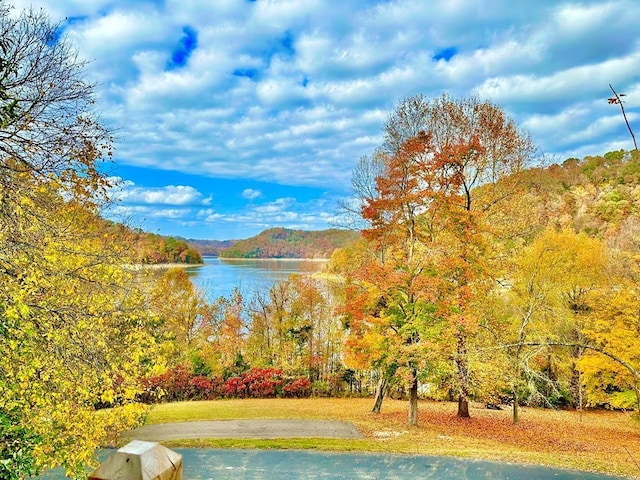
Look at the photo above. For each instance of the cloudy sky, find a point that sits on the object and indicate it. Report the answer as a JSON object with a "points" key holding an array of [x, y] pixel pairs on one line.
{"points": [[234, 116]]}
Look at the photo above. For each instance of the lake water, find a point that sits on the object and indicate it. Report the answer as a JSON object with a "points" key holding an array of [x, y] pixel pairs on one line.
{"points": [[215, 464], [219, 276]]}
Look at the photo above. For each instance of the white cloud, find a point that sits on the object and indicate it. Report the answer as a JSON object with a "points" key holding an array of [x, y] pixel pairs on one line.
{"points": [[285, 212], [127, 192], [341, 73], [294, 93], [561, 87], [277, 206], [143, 212], [251, 194]]}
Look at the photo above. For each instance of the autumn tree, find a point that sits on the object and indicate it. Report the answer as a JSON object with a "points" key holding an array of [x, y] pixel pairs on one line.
{"points": [[73, 328], [548, 299], [74, 336], [292, 327], [478, 153], [448, 165], [231, 331], [183, 319]]}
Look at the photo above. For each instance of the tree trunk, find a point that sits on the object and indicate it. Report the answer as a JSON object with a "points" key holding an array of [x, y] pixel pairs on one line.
{"points": [[381, 389], [516, 382], [576, 380], [413, 399], [463, 407], [463, 376]]}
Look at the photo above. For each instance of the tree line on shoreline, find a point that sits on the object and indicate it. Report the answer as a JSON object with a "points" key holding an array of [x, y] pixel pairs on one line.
{"points": [[288, 243]]}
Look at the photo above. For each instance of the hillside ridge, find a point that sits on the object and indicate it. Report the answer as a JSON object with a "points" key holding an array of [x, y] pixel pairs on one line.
{"points": [[287, 243]]}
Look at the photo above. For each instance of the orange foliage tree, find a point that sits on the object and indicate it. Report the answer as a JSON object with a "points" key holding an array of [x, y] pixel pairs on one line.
{"points": [[448, 165]]}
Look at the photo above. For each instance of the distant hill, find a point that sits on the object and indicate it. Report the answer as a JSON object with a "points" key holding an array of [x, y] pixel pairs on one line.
{"points": [[210, 247], [285, 243], [147, 248], [151, 248]]}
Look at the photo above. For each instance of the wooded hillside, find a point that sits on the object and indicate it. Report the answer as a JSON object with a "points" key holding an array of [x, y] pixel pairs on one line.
{"points": [[150, 248], [210, 247], [285, 243], [598, 195]]}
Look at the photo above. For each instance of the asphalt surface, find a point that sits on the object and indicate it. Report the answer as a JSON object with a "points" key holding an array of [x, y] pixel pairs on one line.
{"points": [[233, 464], [262, 429]]}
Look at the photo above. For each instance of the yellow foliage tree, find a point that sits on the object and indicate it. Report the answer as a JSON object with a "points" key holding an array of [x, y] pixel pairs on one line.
{"points": [[73, 329], [182, 315], [612, 367], [545, 303]]}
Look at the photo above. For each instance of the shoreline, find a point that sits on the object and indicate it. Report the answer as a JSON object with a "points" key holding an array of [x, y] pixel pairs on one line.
{"points": [[161, 266], [271, 259]]}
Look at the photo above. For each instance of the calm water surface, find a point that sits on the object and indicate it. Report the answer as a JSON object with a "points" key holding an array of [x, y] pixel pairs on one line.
{"points": [[219, 276], [214, 464]]}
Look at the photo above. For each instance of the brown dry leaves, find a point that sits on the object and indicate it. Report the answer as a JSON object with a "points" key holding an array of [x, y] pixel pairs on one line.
{"points": [[595, 440]]}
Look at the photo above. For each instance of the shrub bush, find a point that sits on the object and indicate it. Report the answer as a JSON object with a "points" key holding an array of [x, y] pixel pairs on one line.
{"points": [[255, 383], [179, 383], [171, 386], [298, 388], [203, 388], [235, 387]]}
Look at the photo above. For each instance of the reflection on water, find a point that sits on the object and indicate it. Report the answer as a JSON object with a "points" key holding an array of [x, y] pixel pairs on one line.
{"points": [[214, 464], [219, 276]]}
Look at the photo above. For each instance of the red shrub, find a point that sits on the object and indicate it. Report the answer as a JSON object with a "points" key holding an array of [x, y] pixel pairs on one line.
{"points": [[235, 387], [300, 387], [179, 384], [175, 383], [255, 383], [264, 382], [203, 388]]}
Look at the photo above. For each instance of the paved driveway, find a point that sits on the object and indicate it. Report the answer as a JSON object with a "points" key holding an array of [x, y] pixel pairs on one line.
{"points": [[264, 429]]}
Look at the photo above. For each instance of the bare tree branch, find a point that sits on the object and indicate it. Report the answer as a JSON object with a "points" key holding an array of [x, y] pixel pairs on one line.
{"points": [[618, 100]]}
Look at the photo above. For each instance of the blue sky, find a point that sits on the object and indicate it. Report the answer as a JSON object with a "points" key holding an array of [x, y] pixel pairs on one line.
{"points": [[233, 116]]}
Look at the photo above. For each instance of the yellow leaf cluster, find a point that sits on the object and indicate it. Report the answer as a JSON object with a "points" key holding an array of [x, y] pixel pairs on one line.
{"points": [[74, 331]]}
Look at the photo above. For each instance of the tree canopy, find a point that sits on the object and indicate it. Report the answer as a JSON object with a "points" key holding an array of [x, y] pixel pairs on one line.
{"points": [[73, 327], [445, 165]]}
